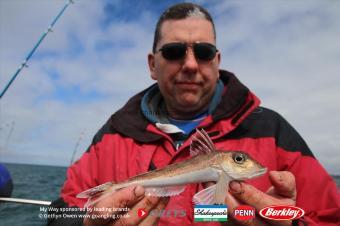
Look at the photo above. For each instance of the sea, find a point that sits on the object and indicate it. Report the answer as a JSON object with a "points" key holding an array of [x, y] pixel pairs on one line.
{"points": [[31, 182], [38, 183]]}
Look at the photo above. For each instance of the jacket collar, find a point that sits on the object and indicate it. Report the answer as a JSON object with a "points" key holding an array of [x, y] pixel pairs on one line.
{"points": [[131, 121], [153, 106]]}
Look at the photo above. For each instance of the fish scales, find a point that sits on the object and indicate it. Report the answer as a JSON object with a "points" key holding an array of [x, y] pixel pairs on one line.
{"points": [[196, 163], [206, 164]]}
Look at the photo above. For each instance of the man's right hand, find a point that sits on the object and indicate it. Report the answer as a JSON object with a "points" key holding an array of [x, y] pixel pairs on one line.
{"points": [[131, 197]]}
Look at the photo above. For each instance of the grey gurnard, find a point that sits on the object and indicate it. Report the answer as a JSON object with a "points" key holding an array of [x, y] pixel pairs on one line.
{"points": [[207, 164]]}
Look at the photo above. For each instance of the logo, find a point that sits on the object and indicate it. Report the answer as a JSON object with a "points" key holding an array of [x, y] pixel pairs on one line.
{"points": [[244, 213], [210, 213], [282, 212], [168, 213], [142, 213], [161, 213]]}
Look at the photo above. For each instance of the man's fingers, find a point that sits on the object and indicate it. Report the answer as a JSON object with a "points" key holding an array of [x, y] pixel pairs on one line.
{"points": [[232, 203], [208, 184], [284, 183], [250, 195], [153, 219], [122, 198], [147, 204], [283, 192], [103, 211]]}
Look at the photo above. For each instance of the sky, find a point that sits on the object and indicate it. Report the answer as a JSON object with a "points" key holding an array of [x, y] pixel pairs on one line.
{"points": [[286, 52]]}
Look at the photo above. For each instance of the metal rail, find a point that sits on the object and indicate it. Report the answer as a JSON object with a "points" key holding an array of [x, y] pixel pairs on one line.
{"points": [[26, 201]]}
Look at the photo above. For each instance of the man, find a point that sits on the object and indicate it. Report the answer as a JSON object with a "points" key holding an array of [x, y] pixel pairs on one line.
{"points": [[154, 129]]}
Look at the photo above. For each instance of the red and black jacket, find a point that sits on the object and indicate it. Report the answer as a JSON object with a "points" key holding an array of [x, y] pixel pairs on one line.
{"points": [[128, 144]]}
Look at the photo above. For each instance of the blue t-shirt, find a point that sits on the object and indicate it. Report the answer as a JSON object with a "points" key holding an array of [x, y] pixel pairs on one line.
{"points": [[188, 125]]}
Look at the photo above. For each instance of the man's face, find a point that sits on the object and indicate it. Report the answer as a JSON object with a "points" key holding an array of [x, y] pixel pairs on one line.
{"points": [[187, 84]]}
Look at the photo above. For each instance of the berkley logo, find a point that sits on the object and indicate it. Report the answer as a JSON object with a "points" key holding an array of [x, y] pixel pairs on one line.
{"points": [[282, 212]]}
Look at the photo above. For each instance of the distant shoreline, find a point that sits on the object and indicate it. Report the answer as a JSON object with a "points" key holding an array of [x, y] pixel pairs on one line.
{"points": [[29, 164], [336, 177]]}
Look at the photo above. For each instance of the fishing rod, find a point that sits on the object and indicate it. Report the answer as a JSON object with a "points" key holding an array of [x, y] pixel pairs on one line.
{"points": [[24, 64], [9, 135], [76, 147], [25, 201]]}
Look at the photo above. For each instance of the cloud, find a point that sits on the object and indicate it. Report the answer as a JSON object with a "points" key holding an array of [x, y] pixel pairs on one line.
{"points": [[285, 52], [80, 75]]}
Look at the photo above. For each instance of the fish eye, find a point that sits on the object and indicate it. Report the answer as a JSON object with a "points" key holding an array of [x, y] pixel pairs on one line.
{"points": [[239, 158]]}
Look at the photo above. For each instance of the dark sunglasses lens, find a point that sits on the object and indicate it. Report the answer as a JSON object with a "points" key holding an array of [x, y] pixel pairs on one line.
{"points": [[204, 51], [174, 51]]}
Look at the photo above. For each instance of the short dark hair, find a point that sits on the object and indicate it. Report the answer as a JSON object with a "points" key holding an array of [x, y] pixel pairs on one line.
{"points": [[177, 12]]}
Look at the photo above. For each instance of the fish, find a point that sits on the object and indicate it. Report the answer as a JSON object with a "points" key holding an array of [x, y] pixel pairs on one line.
{"points": [[207, 164]]}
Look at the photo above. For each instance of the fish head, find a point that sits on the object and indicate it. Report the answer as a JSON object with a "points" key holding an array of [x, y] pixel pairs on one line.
{"points": [[240, 166]]}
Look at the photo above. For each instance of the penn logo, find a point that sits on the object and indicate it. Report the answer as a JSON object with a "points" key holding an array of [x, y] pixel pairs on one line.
{"points": [[282, 212], [244, 213]]}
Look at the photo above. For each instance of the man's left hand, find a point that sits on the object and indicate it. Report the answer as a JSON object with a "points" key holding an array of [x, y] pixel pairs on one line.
{"points": [[282, 192]]}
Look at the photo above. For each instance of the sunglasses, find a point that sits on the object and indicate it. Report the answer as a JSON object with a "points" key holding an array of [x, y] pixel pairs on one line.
{"points": [[203, 51]]}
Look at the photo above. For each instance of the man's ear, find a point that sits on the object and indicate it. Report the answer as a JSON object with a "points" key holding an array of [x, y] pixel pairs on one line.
{"points": [[218, 59], [151, 62]]}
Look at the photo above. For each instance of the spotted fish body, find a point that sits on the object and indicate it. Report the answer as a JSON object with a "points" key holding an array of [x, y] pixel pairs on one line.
{"points": [[207, 164]]}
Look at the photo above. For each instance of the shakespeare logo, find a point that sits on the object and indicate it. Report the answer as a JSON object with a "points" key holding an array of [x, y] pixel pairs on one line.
{"points": [[210, 213]]}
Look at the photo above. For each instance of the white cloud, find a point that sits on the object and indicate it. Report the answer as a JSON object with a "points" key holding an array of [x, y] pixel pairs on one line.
{"points": [[288, 54]]}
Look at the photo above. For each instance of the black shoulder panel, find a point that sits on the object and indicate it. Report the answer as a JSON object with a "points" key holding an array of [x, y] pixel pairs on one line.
{"points": [[233, 98], [263, 122], [128, 121], [107, 128]]}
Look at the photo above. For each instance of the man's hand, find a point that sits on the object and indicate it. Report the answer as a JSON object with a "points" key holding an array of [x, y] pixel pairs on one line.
{"points": [[283, 192], [131, 197]]}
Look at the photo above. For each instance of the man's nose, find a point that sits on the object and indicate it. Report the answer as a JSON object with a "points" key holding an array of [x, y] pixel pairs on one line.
{"points": [[189, 62]]}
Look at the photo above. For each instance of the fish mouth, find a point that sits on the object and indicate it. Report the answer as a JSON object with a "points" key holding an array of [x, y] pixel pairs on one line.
{"points": [[257, 173], [260, 172]]}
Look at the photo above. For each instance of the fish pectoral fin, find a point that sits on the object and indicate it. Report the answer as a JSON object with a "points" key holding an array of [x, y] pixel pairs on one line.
{"points": [[221, 189], [205, 196], [214, 194], [95, 191], [164, 191]]}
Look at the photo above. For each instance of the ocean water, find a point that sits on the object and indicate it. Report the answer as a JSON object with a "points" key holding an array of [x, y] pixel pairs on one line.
{"points": [[39, 183], [31, 182]]}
